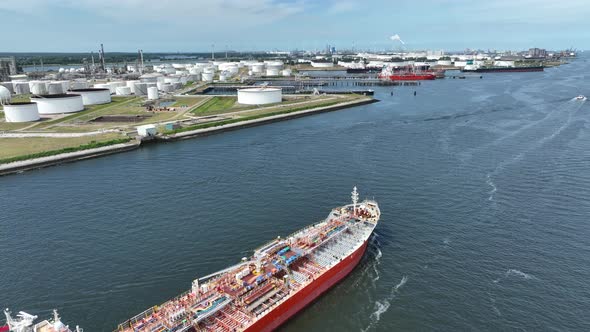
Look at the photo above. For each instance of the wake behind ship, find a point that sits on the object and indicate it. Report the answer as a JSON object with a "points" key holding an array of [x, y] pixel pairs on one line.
{"points": [[280, 279]]}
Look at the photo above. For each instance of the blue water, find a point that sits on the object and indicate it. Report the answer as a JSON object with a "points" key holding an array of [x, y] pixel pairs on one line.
{"points": [[484, 186]]}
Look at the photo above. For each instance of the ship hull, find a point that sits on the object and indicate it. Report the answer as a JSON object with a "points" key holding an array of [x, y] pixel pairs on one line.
{"points": [[305, 296], [504, 70], [423, 77]]}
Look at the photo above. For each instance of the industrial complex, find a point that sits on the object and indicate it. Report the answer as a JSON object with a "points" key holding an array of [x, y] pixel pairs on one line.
{"points": [[101, 102]]}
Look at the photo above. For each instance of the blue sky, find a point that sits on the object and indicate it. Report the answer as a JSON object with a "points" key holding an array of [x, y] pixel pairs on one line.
{"points": [[194, 25]]}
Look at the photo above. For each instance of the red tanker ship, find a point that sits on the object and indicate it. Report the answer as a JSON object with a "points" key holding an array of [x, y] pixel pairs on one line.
{"points": [[280, 279], [407, 73]]}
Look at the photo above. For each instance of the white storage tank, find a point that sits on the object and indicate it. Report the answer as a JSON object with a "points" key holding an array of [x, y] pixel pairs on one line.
{"points": [[21, 88], [123, 91], [287, 72], [141, 89], [194, 77], [260, 96], [94, 96], [5, 95], [55, 88], [65, 85], [102, 86], [21, 112], [171, 79], [207, 77], [8, 85], [58, 104], [152, 93], [38, 87], [272, 71], [223, 76], [167, 87], [114, 85], [79, 85], [131, 84], [258, 68]]}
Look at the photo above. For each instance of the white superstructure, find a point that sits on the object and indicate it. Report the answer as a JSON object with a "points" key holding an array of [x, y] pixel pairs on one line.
{"points": [[24, 322], [260, 96], [21, 112]]}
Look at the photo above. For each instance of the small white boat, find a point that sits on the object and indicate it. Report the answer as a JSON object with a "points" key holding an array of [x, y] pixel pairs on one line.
{"points": [[581, 97]]}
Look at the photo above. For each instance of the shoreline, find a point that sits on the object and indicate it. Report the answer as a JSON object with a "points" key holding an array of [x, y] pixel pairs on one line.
{"points": [[36, 163]]}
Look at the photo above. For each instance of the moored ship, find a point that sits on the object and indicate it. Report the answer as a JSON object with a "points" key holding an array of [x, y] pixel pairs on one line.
{"points": [[280, 279], [500, 69], [407, 73]]}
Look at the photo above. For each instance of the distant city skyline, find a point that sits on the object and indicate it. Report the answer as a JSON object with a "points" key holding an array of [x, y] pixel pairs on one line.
{"points": [[255, 25]]}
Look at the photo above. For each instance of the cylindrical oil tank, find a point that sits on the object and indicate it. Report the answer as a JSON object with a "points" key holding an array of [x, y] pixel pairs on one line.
{"points": [[207, 77], [8, 85], [223, 76], [257, 68], [65, 85], [131, 84], [259, 96], [55, 88], [152, 93], [141, 89], [114, 85], [21, 112], [194, 77], [183, 80], [38, 87], [79, 85], [94, 96], [123, 91], [195, 71], [57, 104], [287, 72], [150, 77], [5, 95], [166, 87], [102, 86], [272, 71], [21, 88], [171, 79]]}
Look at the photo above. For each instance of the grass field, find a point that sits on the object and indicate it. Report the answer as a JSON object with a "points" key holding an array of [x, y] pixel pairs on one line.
{"points": [[215, 105], [13, 147]]}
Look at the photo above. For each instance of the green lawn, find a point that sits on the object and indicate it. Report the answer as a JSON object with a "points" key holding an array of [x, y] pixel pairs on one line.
{"points": [[215, 105], [14, 147]]}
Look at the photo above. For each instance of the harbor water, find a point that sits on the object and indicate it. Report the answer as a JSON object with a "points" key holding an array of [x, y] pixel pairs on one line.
{"points": [[483, 184]]}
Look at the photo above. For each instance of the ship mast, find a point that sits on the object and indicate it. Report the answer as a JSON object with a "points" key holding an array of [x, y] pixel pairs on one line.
{"points": [[355, 198]]}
